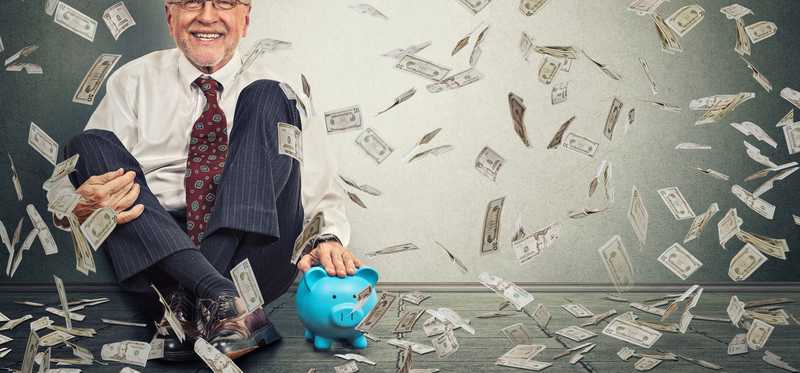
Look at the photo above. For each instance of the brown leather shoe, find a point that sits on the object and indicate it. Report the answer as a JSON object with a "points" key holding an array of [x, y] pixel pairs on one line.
{"points": [[225, 323], [182, 306]]}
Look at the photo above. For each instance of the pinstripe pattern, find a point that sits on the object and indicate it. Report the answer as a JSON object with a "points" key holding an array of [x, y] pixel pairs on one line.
{"points": [[259, 195]]}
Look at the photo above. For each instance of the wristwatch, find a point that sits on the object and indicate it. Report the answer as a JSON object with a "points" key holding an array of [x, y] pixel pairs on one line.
{"points": [[318, 239]]}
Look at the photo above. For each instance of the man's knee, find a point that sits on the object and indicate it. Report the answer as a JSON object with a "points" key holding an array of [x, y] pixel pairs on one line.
{"points": [[89, 140]]}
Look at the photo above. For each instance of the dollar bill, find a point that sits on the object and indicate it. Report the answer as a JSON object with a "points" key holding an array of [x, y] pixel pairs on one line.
{"points": [[669, 39], [61, 170], [676, 203], [791, 95], [758, 76], [94, 78], [489, 163], [776, 248], [531, 7], [745, 263], [445, 344], [577, 310], [393, 249], [369, 189], [127, 352], [526, 45], [594, 320], [517, 334], [680, 261], [644, 7], [98, 226], [738, 345], [760, 206], [418, 348], [369, 10], [548, 69], [214, 359], [456, 81], [770, 183], [403, 97], [247, 286], [476, 49], [649, 309], [290, 141], [742, 40], [649, 75], [776, 361], [603, 67], [581, 145], [523, 352], [632, 332], [491, 226], [75, 21], [343, 120], [735, 310], [423, 68], [760, 31], [84, 261], [43, 231], [612, 119], [752, 129], [758, 334], [735, 11], [559, 135], [169, 315], [31, 347], [55, 338], [507, 289], [475, 6], [433, 326], [617, 263], [453, 259], [575, 333], [43, 144], [15, 178], [377, 148], [792, 134], [523, 364], [638, 216], [312, 228], [699, 223], [646, 363], [409, 51], [355, 357], [685, 19], [11, 324], [558, 52], [62, 297], [118, 19], [385, 300], [559, 93], [517, 106], [41, 323], [261, 47], [526, 248], [407, 321], [438, 150]]}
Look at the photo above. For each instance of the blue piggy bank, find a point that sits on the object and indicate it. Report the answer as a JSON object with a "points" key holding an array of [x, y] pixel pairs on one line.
{"points": [[328, 306]]}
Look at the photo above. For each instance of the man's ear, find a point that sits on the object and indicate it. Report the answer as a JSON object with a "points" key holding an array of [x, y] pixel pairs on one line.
{"points": [[168, 14], [368, 274], [313, 275], [246, 23]]}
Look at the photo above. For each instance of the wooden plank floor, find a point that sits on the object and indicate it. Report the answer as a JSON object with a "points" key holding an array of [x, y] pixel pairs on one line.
{"points": [[705, 340]]}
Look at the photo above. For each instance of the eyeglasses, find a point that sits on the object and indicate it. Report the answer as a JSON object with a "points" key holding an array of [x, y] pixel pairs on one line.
{"points": [[198, 4]]}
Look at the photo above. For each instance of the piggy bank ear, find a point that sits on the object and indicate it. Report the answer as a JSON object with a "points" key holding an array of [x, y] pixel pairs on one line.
{"points": [[313, 275], [368, 274]]}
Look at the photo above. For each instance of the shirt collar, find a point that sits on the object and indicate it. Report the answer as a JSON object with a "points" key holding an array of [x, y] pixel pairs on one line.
{"points": [[188, 72]]}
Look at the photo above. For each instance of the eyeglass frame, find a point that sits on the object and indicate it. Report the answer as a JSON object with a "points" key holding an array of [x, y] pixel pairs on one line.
{"points": [[183, 4]]}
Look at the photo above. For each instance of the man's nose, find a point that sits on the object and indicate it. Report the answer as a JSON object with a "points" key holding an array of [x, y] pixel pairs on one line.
{"points": [[208, 14]]}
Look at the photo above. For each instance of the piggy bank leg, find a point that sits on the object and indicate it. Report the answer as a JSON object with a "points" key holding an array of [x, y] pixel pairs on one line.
{"points": [[309, 336], [322, 343], [359, 342]]}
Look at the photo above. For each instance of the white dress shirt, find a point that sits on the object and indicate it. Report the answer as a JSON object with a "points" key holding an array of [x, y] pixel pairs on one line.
{"points": [[151, 104]]}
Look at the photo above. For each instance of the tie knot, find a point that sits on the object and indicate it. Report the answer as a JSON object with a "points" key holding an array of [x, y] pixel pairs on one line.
{"points": [[209, 86]]}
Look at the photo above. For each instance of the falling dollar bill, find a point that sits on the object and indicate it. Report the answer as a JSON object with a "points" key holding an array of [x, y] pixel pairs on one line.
{"points": [[576, 333], [374, 145], [507, 289], [214, 359], [638, 216], [491, 226], [517, 334], [581, 145], [531, 7], [423, 68], [762, 207], [617, 263], [312, 228], [385, 300], [127, 352], [393, 249], [342, 120], [62, 297], [94, 78], [290, 141], [758, 334], [644, 7], [745, 263], [403, 97], [760, 31], [247, 286], [680, 261], [632, 332], [75, 21], [456, 81], [369, 10], [169, 315], [446, 343], [31, 347], [489, 163], [475, 6], [676, 203], [559, 135], [548, 70], [735, 11], [686, 18], [43, 144], [118, 19], [409, 51], [517, 106]]}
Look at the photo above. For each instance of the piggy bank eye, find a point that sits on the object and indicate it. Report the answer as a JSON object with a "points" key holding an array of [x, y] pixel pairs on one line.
{"points": [[334, 296], [354, 296]]}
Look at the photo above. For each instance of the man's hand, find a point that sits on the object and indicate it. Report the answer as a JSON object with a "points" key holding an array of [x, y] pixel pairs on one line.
{"points": [[334, 258], [113, 189]]}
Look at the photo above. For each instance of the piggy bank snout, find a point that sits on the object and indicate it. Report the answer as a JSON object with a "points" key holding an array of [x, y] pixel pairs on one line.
{"points": [[346, 315]]}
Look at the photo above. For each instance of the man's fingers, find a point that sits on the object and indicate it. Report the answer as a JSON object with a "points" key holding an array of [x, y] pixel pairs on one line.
{"points": [[126, 201], [116, 185], [106, 177], [358, 263], [326, 260], [338, 262], [304, 264], [129, 215], [349, 263]]}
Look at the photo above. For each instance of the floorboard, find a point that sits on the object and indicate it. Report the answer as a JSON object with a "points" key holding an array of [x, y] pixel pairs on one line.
{"points": [[705, 340]]}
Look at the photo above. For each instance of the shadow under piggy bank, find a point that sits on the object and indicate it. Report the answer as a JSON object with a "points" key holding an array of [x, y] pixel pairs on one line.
{"points": [[330, 307]]}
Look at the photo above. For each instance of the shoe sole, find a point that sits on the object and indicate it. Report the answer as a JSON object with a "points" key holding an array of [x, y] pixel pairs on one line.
{"points": [[179, 357], [262, 337]]}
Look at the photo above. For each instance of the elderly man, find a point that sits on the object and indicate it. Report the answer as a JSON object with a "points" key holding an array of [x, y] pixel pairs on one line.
{"points": [[192, 201]]}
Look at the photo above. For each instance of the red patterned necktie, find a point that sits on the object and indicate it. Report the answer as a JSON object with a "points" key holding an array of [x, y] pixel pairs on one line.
{"points": [[208, 147]]}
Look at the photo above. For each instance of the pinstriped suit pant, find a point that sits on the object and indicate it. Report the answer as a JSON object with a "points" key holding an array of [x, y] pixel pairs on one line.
{"points": [[258, 196]]}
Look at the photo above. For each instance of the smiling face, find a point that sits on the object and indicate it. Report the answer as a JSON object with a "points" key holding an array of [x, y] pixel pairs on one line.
{"points": [[208, 37]]}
